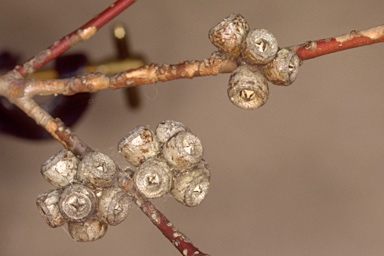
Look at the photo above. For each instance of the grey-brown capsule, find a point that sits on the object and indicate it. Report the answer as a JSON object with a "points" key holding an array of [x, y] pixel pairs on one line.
{"points": [[139, 145], [259, 47], [191, 187], [48, 206], [60, 169], [168, 128], [283, 69], [114, 205], [153, 178], [87, 231], [247, 87], [97, 169], [183, 151], [229, 34], [77, 203]]}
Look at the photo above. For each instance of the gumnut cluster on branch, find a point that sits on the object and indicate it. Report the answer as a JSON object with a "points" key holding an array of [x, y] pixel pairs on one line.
{"points": [[261, 61], [87, 196], [169, 160]]}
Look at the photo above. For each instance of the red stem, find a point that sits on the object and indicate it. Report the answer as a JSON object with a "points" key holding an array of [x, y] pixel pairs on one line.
{"points": [[178, 239], [313, 49], [83, 33]]}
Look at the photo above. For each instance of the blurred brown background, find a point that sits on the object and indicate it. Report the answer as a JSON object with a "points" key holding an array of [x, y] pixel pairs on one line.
{"points": [[303, 175]]}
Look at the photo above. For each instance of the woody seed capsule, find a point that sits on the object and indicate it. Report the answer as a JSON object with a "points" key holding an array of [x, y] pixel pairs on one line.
{"points": [[77, 203], [114, 204], [60, 169], [259, 47], [139, 145], [48, 206], [97, 169], [247, 87], [283, 69], [153, 178], [229, 34], [191, 187], [183, 151], [87, 231], [168, 128]]}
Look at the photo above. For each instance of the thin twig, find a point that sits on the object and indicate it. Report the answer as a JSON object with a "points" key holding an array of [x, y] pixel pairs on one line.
{"points": [[82, 34], [148, 74], [313, 49], [55, 127], [177, 238]]}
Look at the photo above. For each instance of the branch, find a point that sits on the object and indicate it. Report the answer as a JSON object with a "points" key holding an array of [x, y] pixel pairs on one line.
{"points": [[178, 239], [313, 49], [55, 127], [216, 64], [82, 34], [148, 74]]}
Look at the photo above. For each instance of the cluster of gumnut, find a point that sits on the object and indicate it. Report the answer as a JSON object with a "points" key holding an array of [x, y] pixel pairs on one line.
{"points": [[87, 196], [261, 61]]}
